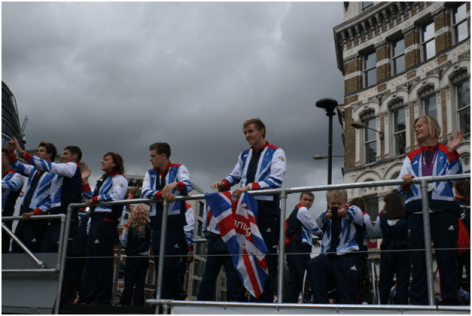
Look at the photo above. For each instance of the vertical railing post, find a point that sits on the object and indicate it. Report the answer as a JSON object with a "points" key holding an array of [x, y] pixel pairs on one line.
{"points": [[427, 242], [160, 268], [280, 279], [117, 272], [63, 245]]}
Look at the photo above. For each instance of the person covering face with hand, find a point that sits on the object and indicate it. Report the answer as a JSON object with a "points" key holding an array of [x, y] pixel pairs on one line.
{"points": [[343, 235]]}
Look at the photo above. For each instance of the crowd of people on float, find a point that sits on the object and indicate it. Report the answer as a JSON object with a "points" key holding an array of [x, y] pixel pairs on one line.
{"points": [[342, 228]]}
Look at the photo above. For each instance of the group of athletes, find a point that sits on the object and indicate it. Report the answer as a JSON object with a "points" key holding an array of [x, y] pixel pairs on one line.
{"points": [[343, 228]]}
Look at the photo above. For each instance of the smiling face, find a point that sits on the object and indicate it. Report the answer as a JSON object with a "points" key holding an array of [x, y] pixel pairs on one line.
{"points": [[67, 156], [108, 164], [306, 200], [254, 136], [422, 130], [43, 154]]}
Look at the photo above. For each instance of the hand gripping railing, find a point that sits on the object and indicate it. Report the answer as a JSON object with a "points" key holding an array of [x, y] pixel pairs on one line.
{"points": [[423, 181]]}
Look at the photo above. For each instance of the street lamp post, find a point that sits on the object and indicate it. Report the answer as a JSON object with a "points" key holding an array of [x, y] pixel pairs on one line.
{"points": [[329, 105]]}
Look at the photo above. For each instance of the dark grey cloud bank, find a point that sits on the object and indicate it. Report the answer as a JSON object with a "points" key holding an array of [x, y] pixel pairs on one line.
{"points": [[120, 76]]}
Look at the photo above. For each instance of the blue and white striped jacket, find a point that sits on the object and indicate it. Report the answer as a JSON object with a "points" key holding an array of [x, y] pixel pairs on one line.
{"points": [[113, 189], [301, 218], [175, 173], [68, 170], [188, 229], [446, 163], [351, 225], [11, 182], [42, 198], [270, 170]]}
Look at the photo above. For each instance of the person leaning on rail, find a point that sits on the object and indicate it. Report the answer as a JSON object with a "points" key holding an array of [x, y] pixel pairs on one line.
{"points": [[166, 180], [12, 183], [67, 188], [112, 186], [260, 167], [432, 159], [340, 257], [37, 200]]}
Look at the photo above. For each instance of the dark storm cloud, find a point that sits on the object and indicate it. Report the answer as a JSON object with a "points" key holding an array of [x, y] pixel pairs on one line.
{"points": [[120, 76]]}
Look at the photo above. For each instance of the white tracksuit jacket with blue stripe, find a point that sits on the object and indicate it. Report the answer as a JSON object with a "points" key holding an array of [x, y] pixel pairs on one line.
{"points": [[42, 197], [11, 182], [270, 170]]}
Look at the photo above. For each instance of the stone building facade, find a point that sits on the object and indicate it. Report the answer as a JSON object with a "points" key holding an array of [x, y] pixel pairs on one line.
{"points": [[400, 60]]}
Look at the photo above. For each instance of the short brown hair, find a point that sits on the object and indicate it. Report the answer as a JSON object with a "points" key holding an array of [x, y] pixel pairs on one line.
{"points": [[75, 150], [336, 193], [307, 193], [161, 148], [434, 128], [394, 206], [118, 160], [50, 149], [359, 202], [463, 188], [256, 121]]}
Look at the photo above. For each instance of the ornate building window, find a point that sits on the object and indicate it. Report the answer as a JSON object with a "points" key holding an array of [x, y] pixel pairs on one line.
{"points": [[428, 44], [399, 128], [428, 97], [398, 55], [370, 69], [366, 5], [372, 206], [370, 137], [459, 23], [463, 106]]}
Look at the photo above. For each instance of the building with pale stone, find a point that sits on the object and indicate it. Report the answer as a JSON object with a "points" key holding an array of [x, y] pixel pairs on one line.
{"points": [[400, 60]]}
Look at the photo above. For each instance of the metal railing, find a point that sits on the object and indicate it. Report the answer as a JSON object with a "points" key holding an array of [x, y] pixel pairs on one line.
{"points": [[423, 181], [62, 250]]}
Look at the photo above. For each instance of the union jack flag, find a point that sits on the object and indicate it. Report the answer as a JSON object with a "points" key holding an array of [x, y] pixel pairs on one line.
{"points": [[236, 220]]}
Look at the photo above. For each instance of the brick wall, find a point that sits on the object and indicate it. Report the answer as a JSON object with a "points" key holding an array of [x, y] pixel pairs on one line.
{"points": [[383, 71], [412, 57], [412, 126], [350, 140]]}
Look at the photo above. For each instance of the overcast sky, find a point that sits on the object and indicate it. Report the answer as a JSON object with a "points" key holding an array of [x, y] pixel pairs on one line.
{"points": [[121, 76]]}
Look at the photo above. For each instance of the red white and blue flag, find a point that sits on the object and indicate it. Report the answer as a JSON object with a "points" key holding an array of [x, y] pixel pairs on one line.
{"points": [[236, 220]]}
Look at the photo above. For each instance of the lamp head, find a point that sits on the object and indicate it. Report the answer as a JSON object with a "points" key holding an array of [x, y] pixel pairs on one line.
{"points": [[328, 105]]}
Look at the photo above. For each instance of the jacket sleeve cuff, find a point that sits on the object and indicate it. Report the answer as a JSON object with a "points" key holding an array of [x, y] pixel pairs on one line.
{"points": [[95, 199], [86, 187], [37, 211], [405, 187], [11, 156], [181, 186], [190, 248], [159, 194], [227, 186], [255, 186], [26, 156], [453, 156]]}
